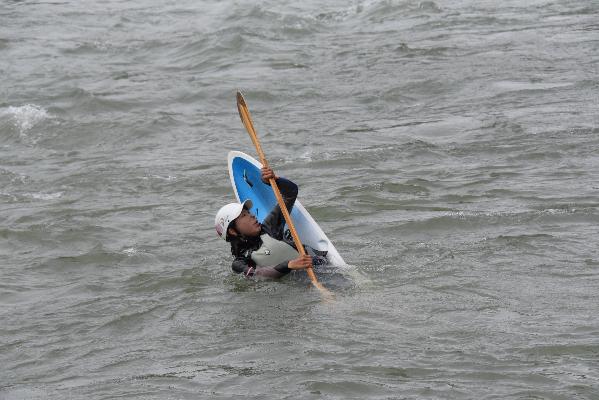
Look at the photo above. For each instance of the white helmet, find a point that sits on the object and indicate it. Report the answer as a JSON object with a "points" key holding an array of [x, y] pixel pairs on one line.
{"points": [[227, 214]]}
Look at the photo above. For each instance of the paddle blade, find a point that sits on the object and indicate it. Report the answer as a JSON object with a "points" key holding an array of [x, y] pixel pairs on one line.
{"points": [[240, 100], [244, 114]]}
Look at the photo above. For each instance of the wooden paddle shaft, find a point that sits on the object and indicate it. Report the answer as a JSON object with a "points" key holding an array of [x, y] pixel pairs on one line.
{"points": [[249, 126]]}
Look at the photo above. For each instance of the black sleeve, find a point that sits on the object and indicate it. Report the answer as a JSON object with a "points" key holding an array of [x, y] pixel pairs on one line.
{"points": [[245, 266], [283, 268], [275, 221]]}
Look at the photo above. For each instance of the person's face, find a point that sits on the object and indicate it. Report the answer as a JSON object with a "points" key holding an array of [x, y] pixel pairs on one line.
{"points": [[246, 224]]}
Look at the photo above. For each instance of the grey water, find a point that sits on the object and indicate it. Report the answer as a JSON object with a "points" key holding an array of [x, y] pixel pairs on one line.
{"points": [[449, 149]]}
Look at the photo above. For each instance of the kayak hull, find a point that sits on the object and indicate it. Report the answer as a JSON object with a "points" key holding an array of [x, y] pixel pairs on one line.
{"points": [[244, 172]]}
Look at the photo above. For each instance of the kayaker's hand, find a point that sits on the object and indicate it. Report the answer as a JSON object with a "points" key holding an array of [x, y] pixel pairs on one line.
{"points": [[302, 262], [267, 173]]}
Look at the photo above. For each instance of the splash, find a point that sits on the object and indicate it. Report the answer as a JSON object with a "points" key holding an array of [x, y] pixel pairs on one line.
{"points": [[25, 117], [45, 196]]}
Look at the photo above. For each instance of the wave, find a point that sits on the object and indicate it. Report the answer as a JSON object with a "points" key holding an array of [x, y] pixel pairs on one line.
{"points": [[23, 118]]}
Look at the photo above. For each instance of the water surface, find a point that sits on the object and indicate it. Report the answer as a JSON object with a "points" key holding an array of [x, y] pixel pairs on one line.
{"points": [[449, 150]]}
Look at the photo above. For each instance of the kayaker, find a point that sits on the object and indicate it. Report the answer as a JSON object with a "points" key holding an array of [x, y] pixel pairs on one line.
{"points": [[262, 250]]}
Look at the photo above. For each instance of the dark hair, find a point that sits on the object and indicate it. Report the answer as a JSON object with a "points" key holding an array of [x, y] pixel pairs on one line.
{"points": [[241, 244]]}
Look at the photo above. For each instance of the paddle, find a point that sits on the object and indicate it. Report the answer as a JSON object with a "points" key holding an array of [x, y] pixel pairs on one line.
{"points": [[244, 113]]}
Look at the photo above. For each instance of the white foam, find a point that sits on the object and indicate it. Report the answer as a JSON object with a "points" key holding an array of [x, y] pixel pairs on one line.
{"points": [[164, 178], [131, 251], [25, 117], [45, 196]]}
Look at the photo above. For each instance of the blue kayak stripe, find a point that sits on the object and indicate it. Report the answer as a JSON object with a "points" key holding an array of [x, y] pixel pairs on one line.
{"points": [[249, 185]]}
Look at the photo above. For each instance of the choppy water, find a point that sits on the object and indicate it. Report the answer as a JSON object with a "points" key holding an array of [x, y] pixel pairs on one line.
{"points": [[449, 149]]}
